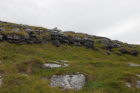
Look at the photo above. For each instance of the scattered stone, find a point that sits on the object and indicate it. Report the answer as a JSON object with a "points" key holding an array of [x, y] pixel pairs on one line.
{"points": [[74, 81], [132, 64], [138, 84], [0, 80], [23, 74], [138, 75], [128, 84], [53, 65], [63, 61], [16, 29], [108, 53], [103, 41], [2, 29]]}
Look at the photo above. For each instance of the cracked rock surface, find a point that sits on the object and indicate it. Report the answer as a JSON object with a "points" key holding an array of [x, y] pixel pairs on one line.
{"points": [[74, 81]]}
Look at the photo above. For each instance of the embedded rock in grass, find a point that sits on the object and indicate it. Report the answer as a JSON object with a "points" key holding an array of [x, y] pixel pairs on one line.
{"points": [[138, 84], [0, 81], [63, 61], [128, 85], [2, 29], [103, 41], [132, 64], [16, 29], [74, 81], [1, 37], [53, 65]]}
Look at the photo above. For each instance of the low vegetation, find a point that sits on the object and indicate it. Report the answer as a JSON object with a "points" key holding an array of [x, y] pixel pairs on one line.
{"points": [[104, 73]]}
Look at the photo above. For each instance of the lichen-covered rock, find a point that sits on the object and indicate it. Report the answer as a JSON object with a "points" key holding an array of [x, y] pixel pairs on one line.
{"points": [[74, 81], [16, 29], [56, 43], [2, 29], [1, 37], [135, 52], [103, 41]]}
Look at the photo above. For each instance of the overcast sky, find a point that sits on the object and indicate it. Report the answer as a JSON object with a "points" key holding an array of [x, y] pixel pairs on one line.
{"points": [[115, 19]]}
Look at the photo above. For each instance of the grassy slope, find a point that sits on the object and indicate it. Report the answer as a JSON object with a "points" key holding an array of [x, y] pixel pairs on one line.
{"points": [[104, 73]]}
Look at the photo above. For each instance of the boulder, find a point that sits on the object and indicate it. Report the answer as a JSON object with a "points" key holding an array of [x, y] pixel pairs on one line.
{"points": [[1, 37], [56, 43], [16, 29], [115, 45], [132, 64], [134, 52], [0, 80], [123, 50], [89, 44], [138, 84], [2, 29], [103, 41], [74, 81], [24, 37], [29, 31]]}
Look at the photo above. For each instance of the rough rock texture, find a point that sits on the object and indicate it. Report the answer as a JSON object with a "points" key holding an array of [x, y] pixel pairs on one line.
{"points": [[2, 29], [16, 29], [0, 80], [138, 84], [53, 65], [132, 64], [75, 81], [103, 41]]}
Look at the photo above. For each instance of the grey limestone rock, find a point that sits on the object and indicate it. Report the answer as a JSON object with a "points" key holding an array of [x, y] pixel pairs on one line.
{"points": [[0, 80], [53, 65], [103, 41], [132, 64], [2, 29], [16, 29], [1, 37], [74, 81]]}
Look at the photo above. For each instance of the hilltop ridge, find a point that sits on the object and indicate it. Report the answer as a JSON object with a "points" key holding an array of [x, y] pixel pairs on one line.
{"points": [[24, 34]]}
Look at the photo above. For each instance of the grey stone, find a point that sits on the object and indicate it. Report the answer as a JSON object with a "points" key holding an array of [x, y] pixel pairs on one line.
{"points": [[115, 45], [123, 50], [134, 52], [138, 75], [108, 53], [75, 81], [55, 29], [2, 29], [128, 84], [0, 80], [138, 84], [103, 41], [132, 64], [53, 65], [16, 29], [56, 43], [63, 61], [1, 37]]}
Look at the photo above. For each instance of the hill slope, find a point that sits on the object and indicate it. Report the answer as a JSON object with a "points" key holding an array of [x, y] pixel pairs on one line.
{"points": [[104, 73]]}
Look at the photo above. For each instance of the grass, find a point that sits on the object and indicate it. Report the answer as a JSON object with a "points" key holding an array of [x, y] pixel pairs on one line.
{"points": [[104, 73]]}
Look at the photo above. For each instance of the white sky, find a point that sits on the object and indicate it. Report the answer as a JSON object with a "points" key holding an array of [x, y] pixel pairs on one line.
{"points": [[115, 19]]}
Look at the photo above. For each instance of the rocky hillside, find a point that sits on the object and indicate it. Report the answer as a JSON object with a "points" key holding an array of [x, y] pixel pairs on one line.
{"points": [[40, 60]]}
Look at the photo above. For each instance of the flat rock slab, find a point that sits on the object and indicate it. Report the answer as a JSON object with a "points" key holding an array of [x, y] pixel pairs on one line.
{"points": [[132, 64], [75, 81], [138, 84], [0, 80], [49, 65]]}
